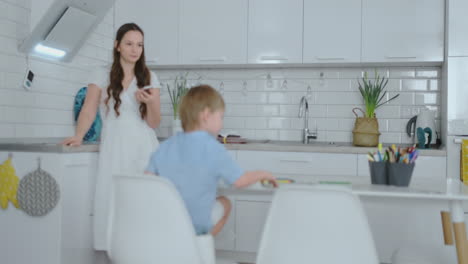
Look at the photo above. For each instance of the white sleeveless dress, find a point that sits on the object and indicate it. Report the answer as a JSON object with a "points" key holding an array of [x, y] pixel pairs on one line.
{"points": [[126, 145]]}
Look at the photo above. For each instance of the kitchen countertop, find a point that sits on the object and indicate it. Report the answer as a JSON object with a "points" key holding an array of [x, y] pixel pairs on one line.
{"points": [[320, 147], [52, 145]]}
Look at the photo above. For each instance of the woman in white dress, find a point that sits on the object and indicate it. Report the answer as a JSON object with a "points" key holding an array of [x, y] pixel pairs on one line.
{"points": [[129, 113]]}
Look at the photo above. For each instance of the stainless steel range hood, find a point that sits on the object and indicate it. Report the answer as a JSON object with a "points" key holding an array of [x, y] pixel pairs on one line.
{"points": [[64, 27]]}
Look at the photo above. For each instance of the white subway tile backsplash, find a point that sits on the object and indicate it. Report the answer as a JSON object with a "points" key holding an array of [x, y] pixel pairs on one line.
{"points": [[267, 134], [289, 110], [7, 130], [338, 98], [278, 98], [234, 122], [401, 73], [339, 136], [387, 111], [390, 137], [256, 98], [426, 99], [404, 98], [256, 122], [267, 110], [434, 85], [290, 135], [279, 123], [427, 73], [241, 110], [414, 85]]}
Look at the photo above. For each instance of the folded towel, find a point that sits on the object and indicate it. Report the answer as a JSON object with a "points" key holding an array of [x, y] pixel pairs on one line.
{"points": [[464, 161]]}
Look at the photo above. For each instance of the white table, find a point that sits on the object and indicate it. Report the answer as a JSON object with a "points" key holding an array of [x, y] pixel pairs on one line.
{"points": [[455, 194]]}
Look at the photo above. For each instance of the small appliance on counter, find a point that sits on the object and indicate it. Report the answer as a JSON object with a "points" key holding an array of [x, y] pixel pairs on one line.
{"points": [[422, 129]]}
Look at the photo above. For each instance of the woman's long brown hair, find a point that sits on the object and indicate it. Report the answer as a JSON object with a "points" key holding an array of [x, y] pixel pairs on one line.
{"points": [[116, 74]]}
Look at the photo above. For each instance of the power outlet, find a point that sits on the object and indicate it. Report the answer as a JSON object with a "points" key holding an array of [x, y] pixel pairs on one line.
{"points": [[28, 80]]}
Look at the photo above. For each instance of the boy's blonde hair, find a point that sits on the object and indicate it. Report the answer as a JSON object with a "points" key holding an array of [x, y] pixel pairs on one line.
{"points": [[196, 100]]}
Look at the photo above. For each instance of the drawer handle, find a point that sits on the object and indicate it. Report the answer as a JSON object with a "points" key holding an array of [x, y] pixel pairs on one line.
{"points": [[213, 58], [270, 58], [295, 161], [330, 58], [400, 57]]}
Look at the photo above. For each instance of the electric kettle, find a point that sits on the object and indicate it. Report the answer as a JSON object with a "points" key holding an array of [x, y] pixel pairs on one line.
{"points": [[422, 128]]}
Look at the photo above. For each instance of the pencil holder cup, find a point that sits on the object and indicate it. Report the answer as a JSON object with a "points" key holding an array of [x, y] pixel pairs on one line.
{"points": [[378, 172], [399, 174]]}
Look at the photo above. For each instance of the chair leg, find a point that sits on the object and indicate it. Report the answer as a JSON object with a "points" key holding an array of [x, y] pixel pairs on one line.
{"points": [[447, 227]]}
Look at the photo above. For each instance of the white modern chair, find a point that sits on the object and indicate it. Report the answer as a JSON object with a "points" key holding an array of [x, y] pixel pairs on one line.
{"points": [[148, 223], [316, 224]]}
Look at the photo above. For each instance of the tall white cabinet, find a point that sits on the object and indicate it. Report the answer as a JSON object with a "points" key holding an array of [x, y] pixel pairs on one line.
{"points": [[457, 28], [402, 30], [275, 31], [213, 32], [332, 31], [159, 19]]}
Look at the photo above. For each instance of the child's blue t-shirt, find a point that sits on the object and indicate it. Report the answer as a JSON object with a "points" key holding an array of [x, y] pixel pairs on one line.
{"points": [[194, 162]]}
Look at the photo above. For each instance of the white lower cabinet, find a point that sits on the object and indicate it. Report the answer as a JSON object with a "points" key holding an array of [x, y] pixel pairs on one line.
{"points": [[301, 163], [225, 240], [250, 220], [64, 235]]}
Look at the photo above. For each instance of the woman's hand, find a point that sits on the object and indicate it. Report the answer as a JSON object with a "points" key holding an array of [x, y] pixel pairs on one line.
{"points": [[74, 141], [146, 96]]}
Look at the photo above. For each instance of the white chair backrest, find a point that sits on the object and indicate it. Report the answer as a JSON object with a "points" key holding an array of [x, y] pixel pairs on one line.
{"points": [[148, 223], [316, 224]]}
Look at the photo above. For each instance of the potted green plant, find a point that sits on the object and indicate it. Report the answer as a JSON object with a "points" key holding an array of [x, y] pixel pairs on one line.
{"points": [[366, 128], [176, 93]]}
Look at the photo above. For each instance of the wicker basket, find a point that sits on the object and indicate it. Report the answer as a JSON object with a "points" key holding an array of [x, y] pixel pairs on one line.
{"points": [[366, 131]]}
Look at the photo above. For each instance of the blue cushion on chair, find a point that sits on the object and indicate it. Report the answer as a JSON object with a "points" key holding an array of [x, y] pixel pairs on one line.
{"points": [[95, 130]]}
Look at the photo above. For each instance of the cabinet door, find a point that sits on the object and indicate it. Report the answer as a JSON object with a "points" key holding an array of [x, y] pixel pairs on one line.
{"points": [[402, 30], [299, 163], [275, 31], [332, 31], [457, 26], [225, 240], [213, 32], [250, 220], [159, 20]]}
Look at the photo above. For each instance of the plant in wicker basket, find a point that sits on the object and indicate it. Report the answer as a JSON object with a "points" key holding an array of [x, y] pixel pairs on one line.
{"points": [[366, 128]]}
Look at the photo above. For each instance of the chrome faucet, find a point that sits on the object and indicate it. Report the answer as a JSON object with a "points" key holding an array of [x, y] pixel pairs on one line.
{"points": [[304, 111]]}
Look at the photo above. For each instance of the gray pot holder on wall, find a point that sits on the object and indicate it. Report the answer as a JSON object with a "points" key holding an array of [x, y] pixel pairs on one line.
{"points": [[38, 193]]}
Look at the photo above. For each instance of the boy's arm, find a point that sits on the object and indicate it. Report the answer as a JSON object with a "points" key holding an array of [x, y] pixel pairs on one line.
{"points": [[251, 177]]}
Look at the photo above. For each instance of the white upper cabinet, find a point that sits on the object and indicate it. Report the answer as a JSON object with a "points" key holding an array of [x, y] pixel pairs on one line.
{"points": [[275, 31], [457, 28], [332, 31], [402, 30], [159, 20], [213, 32]]}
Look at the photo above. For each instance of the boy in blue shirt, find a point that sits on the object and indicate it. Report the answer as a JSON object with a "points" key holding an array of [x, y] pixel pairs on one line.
{"points": [[194, 161]]}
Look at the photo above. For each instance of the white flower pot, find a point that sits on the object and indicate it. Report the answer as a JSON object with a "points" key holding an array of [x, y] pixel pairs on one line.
{"points": [[176, 126]]}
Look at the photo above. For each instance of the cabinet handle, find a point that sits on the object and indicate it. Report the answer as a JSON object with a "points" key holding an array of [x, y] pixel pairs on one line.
{"points": [[212, 58], [400, 57], [330, 58], [269, 58], [153, 61], [295, 161]]}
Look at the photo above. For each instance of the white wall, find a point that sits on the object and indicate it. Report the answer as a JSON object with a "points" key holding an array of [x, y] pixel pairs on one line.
{"points": [[46, 110], [271, 112]]}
